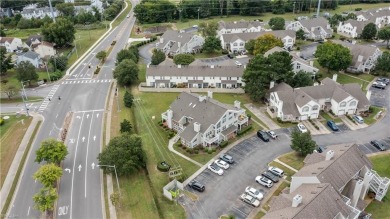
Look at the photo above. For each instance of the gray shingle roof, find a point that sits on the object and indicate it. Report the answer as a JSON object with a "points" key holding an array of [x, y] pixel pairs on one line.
{"points": [[175, 36], [31, 55], [200, 71], [239, 24], [319, 201], [358, 24], [32, 38], [365, 51], [231, 37], [315, 22], [347, 161]]}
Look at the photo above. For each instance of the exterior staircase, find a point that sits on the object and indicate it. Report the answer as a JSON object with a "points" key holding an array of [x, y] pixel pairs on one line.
{"points": [[379, 185]]}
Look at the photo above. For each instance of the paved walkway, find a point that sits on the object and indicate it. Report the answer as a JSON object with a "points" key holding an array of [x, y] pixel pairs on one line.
{"points": [[172, 141], [13, 169], [352, 125], [284, 164], [261, 114]]}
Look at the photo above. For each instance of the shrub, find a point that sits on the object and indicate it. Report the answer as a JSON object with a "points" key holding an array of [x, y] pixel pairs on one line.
{"points": [[163, 166], [214, 150], [113, 43], [196, 151], [1, 121], [183, 59], [316, 126], [244, 130], [209, 151], [224, 51], [97, 70], [358, 9], [223, 144], [298, 48], [184, 147]]}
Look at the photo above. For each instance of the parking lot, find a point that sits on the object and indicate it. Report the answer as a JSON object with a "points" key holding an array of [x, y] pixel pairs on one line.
{"points": [[368, 148], [222, 194], [378, 97]]}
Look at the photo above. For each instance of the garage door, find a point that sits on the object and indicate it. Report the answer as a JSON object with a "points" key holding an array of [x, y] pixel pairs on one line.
{"points": [[351, 111], [304, 117], [314, 116], [341, 112]]}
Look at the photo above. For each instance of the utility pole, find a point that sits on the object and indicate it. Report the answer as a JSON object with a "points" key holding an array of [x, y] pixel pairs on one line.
{"points": [[198, 14], [25, 96], [180, 9], [294, 7], [52, 13], [318, 8]]}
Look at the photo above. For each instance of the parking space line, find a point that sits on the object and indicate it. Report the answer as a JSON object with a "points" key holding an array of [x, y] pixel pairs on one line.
{"points": [[239, 211]]}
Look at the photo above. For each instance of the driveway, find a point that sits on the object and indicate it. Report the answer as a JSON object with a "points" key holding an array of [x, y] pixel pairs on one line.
{"points": [[307, 51], [145, 52]]}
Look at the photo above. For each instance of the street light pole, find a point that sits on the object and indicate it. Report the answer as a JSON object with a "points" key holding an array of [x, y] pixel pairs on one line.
{"points": [[116, 175], [48, 75], [24, 91]]}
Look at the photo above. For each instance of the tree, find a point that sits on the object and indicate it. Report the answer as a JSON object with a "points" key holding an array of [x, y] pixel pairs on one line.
{"points": [[382, 64], [86, 17], [250, 46], [115, 199], [151, 11], [66, 9], [51, 151], [25, 71], [302, 142], [369, 31], [333, 56], [208, 29], [262, 70], [10, 90], [48, 174], [351, 16], [101, 55], [183, 59], [125, 126], [5, 62], [125, 54], [211, 44], [157, 57], [335, 20], [128, 99], [2, 32], [125, 152], [45, 199], [265, 43], [276, 23], [126, 72], [384, 34], [61, 32], [300, 34], [302, 79]]}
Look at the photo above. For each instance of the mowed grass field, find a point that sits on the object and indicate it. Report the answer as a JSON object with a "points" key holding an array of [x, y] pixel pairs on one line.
{"points": [[11, 135]]}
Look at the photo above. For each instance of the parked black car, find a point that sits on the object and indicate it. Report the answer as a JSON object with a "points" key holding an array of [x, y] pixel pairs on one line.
{"points": [[378, 145], [196, 185], [263, 135], [270, 176]]}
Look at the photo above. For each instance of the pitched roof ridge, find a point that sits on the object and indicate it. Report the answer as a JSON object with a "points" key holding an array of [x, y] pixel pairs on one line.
{"points": [[337, 158], [314, 197]]}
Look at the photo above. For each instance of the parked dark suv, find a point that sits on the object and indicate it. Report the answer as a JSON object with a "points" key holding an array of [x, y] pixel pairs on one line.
{"points": [[270, 176], [263, 135], [378, 145], [196, 185], [332, 125]]}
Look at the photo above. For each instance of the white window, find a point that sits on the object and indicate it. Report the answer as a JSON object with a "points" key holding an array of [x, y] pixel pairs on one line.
{"points": [[298, 66], [342, 104], [315, 107], [241, 44], [353, 103], [234, 44], [305, 109]]}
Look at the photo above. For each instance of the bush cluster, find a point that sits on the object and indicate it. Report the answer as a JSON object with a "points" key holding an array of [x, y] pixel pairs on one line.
{"points": [[223, 144], [1, 121], [244, 130], [315, 125], [154, 38]]}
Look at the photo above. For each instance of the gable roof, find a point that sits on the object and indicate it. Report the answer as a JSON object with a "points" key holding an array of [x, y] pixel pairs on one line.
{"points": [[175, 36], [358, 24], [231, 37], [338, 171], [6, 39], [239, 24], [319, 201], [31, 55], [365, 51], [32, 38], [314, 22], [194, 70]]}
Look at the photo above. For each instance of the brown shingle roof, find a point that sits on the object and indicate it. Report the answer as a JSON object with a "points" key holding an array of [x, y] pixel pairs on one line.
{"points": [[6, 39]]}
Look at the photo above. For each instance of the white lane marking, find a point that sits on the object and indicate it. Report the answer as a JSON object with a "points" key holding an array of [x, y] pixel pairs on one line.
{"points": [[79, 167], [86, 156], [74, 164], [87, 111], [63, 210], [67, 170], [28, 212]]}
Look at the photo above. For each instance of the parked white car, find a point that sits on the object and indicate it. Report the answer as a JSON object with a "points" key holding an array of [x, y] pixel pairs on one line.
{"points": [[215, 169], [272, 134], [264, 181], [238, 63], [276, 171], [222, 164], [254, 192], [302, 128], [250, 200]]}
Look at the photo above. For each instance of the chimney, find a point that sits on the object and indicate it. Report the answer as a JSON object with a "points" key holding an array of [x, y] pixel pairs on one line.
{"points": [[210, 94], [201, 98], [334, 78], [356, 193], [211, 66], [315, 84], [366, 183], [311, 63], [329, 155], [296, 201], [179, 66], [196, 127], [179, 45], [237, 104], [368, 94], [161, 40], [271, 84]]}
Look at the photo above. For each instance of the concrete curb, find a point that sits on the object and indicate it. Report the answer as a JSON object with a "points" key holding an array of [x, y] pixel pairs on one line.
{"points": [[17, 160]]}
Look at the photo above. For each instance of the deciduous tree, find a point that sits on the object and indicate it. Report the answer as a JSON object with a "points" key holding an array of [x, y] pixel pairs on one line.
{"points": [[126, 54], [157, 57], [333, 56], [211, 44], [66, 9], [183, 59], [265, 43], [125, 152], [300, 34], [45, 199], [383, 64], [126, 72], [51, 151], [276, 23], [101, 55], [61, 32], [25, 71], [208, 29], [9, 89], [302, 79], [250, 46], [384, 34], [128, 99], [302, 142], [126, 126], [5, 62], [369, 31], [48, 174]]}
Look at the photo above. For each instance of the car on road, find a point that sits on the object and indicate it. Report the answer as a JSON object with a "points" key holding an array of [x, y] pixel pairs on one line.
{"points": [[196, 186], [222, 164], [379, 84], [276, 171], [263, 135], [332, 125], [254, 193], [227, 158], [250, 200], [238, 63], [270, 176], [264, 181], [358, 119], [378, 145], [302, 128], [215, 169], [272, 134]]}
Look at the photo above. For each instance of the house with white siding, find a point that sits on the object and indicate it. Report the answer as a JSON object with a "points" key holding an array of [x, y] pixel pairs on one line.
{"points": [[239, 27], [235, 42], [11, 44], [296, 104], [45, 49], [351, 28], [201, 120], [174, 42], [33, 11], [380, 16], [31, 57], [315, 29]]}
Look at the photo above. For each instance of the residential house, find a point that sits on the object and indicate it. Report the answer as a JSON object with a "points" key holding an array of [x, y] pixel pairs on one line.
{"points": [[351, 28], [31, 57], [6, 12], [239, 27], [33, 40], [201, 120], [189, 76], [380, 17], [173, 42], [11, 44], [297, 62], [315, 29], [235, 42], [296, 104], [364, 57], [33, 11], [45, 49], [332, 184]]}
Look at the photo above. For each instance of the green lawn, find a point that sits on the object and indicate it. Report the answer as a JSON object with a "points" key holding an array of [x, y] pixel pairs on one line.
{"points": [[142, 72], [123, 15], [381, 209], [207, 55], [259, 215], [327, 117], [292, 159], [22, 33], [371, 118]]}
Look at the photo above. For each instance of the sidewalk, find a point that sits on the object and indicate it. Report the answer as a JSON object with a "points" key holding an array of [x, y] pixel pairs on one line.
{"points": [[172, 141], [13, 169], [260, 113]]}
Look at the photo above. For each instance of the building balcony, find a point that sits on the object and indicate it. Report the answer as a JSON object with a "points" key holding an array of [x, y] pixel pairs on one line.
{"points": [[211, 140]]}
